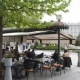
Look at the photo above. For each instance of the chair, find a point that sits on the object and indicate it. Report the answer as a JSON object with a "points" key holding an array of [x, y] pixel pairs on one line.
{"points": [[47, 66], [30, 68], [67, 62], [2, 68], [59, 66]]}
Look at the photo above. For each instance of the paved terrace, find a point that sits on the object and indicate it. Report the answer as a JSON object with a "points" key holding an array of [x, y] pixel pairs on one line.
{"points": [[70, 74]]}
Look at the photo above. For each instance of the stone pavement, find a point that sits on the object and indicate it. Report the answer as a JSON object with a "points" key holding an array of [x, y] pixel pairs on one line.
{"points": [[73, 74], [70, 74]]}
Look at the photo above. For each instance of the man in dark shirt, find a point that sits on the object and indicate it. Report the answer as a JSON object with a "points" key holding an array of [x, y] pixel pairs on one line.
{"points": [[27, 61]]}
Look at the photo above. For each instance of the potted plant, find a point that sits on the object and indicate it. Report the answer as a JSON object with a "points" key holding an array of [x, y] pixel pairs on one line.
{"points": [[8, 64], [10, 55], [8, 59]]}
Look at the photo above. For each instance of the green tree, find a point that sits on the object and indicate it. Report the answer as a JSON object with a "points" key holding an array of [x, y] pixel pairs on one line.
{"points": [[70, 35], [78, 51], [78, 40], [27, 13]]}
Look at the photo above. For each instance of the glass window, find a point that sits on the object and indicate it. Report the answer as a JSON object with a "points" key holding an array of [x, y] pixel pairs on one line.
{"points": [[71, 30]]}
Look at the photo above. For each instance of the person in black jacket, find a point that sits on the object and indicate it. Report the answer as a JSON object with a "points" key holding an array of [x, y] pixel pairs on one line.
{"points": [[26, 61], [55, 56]]}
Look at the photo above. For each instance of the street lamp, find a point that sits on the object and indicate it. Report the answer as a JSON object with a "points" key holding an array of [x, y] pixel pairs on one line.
{"points": [[59, 26], [56, 28], [59, 17]]}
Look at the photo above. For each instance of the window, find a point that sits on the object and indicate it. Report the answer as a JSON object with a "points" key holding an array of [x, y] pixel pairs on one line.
{"points": [[75, 30], [71, 30]]}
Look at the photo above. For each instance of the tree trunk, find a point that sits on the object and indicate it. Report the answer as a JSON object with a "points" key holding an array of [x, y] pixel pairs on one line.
{"points": [[78, 60], [1, 37]]}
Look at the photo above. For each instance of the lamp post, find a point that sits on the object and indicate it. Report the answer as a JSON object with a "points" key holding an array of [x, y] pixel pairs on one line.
{"points": [[59, 17], [57, 26]]}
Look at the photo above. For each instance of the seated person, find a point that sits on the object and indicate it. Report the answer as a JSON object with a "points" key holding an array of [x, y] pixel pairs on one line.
{"points": [[7, 50], [14, 66], [21, 58], [26, 61], [67, 59], [33, 53], [11, 49], [55, 56], [66, 53], [26, 52]]}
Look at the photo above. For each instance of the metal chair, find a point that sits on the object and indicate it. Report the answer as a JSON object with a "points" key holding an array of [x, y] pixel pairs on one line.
{"points": [[47, 66], [59, 66], [30, 68]]}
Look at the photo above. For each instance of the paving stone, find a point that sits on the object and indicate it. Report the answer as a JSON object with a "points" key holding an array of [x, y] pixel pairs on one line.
{"points": [[71, 74]]}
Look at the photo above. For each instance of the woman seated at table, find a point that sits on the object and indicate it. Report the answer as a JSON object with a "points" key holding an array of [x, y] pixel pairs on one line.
{"points": [[55, 56], [66, 53], [67, 59]]}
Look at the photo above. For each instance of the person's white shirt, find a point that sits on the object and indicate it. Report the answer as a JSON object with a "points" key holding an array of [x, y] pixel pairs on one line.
{"points": [[20, 48], [21, 59]]}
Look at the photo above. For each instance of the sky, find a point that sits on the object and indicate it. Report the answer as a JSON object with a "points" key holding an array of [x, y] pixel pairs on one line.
{"points": [[73, 16]]}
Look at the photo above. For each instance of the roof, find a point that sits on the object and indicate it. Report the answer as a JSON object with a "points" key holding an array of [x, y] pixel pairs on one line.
{"points": [[54, 36], [39, 35], [26, 33]]}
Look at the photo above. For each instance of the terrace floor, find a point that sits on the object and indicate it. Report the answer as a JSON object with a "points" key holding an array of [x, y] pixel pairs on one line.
{"points": [[70, 74]]}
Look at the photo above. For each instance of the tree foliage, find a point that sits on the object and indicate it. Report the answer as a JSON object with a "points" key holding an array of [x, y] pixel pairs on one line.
{"points": [[28, 13], [78, 40], [70, 35]]}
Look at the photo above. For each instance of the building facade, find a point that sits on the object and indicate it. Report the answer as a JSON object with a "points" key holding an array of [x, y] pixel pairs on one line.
{"points": [[74, 29]]}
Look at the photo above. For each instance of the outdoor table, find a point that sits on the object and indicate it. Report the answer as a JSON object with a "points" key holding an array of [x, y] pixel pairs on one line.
{"points": [[43, 59]]}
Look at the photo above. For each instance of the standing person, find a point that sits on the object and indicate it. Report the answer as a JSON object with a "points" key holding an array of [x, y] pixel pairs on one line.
{"points": [[35, 45], [55, 56]]}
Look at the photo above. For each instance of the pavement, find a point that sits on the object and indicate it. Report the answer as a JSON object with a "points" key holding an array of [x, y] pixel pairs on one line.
{"points": [[70, 74]]}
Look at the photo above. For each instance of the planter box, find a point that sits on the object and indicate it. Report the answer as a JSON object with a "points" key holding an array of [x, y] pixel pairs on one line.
{"points": [[8, 61]]}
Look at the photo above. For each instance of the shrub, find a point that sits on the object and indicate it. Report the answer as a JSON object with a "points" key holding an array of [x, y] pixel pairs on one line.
{"points": [[9, 55], [47, 47]]}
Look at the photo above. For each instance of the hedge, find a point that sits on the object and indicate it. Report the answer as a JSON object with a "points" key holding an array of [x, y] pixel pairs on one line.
{"points": [[47, 47]]}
